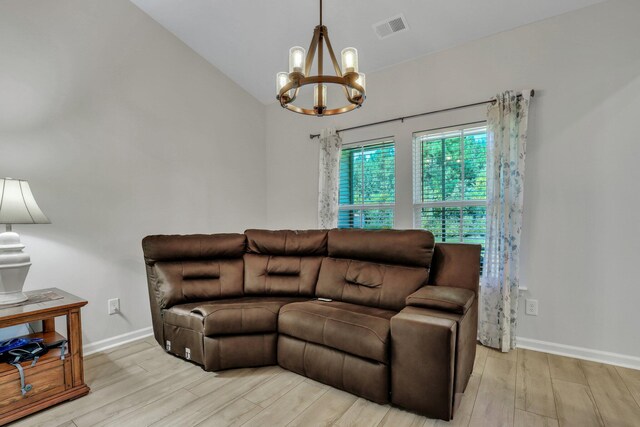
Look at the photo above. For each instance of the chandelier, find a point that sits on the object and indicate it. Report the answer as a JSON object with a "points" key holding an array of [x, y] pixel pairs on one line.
{"points": [[353, 82]]}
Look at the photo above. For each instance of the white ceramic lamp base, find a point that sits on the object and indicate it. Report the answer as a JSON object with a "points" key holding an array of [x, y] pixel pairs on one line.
{"points": [[14, 266]]}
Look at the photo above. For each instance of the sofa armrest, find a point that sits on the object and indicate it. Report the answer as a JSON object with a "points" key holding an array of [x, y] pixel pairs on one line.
{"points": [[423, 362], [446, 298], [156, 310]]}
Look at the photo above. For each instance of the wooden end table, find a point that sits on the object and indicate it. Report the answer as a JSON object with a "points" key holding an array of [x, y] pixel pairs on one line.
{"points": [[54, 379]]}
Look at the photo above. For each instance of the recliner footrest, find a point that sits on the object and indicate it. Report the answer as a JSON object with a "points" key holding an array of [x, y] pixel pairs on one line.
{"points": [[239, 351], [362, 377]]}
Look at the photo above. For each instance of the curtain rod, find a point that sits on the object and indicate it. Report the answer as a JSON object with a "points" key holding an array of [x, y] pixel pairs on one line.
{"points": [[402, 119]]}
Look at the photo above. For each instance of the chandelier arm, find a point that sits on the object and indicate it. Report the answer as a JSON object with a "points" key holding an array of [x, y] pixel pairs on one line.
{"points": [[331, 112], [351, 82], [336, 67], [348, 95], [286, 88], [359, 88], [321, 51], [303, 81], [341, 110], [312, 51], [322, 103], [300, 110], [343, 81], [356, 101]]}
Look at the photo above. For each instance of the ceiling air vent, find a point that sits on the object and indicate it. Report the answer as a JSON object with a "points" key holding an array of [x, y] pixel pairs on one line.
{"points": [[390, 26]]}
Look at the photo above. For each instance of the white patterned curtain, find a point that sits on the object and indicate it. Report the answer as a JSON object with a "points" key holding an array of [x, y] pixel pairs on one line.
{"points": [[330, 148], [506, 148]]}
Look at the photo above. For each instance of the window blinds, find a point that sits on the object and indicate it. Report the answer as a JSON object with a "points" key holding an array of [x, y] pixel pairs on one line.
{"points": [[450, 184], [367, 186]]}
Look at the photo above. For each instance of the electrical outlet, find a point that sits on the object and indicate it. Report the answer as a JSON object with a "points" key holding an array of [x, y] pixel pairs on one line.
{"points": [[531, 307], [114, 305]]}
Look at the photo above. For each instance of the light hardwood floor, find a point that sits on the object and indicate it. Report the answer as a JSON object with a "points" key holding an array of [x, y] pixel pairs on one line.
{"points": [[140, 385]]}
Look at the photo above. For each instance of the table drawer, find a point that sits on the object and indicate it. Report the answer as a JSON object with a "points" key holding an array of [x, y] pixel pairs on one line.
{"points": [[47, 378]]}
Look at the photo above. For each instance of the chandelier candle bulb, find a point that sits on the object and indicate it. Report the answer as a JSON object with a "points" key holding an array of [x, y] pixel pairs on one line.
{"points": [[361, 80], [350, 60], [320, 96], [296, 60], [282, 79]]}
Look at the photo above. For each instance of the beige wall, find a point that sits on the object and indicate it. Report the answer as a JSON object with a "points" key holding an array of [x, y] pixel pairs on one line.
{"points": [[122, 131], [581, 237]]}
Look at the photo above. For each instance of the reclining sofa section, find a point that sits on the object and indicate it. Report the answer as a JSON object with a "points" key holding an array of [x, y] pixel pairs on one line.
{"points": [[387, 315]]}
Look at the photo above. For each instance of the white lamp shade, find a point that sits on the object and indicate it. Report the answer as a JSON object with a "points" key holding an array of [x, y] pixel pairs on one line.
{"points": [[17, 204]]}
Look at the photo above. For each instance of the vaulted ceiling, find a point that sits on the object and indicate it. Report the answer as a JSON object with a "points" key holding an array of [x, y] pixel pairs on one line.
{"points": [[249, 40]]}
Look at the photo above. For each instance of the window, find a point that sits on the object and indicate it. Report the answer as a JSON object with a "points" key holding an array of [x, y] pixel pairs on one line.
{"points": [[450, 184], [367, 186]]}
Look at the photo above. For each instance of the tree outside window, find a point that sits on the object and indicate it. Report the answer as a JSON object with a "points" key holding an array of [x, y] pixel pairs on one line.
{"points": [[367, 186]]}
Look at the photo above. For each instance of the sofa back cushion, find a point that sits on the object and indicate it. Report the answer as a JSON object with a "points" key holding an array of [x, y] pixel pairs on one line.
{"points": [[283, 262], [456, 265], [195, 267], [412, 248], [375, 268]]}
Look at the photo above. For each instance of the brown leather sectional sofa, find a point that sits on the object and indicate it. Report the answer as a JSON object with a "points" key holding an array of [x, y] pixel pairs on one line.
{"points": [[387, 315]]}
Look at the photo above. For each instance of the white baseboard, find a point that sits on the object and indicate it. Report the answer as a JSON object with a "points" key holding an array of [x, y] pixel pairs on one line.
{"points": [[116, 341], [579, 352]]}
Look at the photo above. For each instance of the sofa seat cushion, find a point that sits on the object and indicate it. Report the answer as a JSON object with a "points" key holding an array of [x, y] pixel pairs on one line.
{"points": [[234, 316], [355, 329], [182, 315], [446, 298]]}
